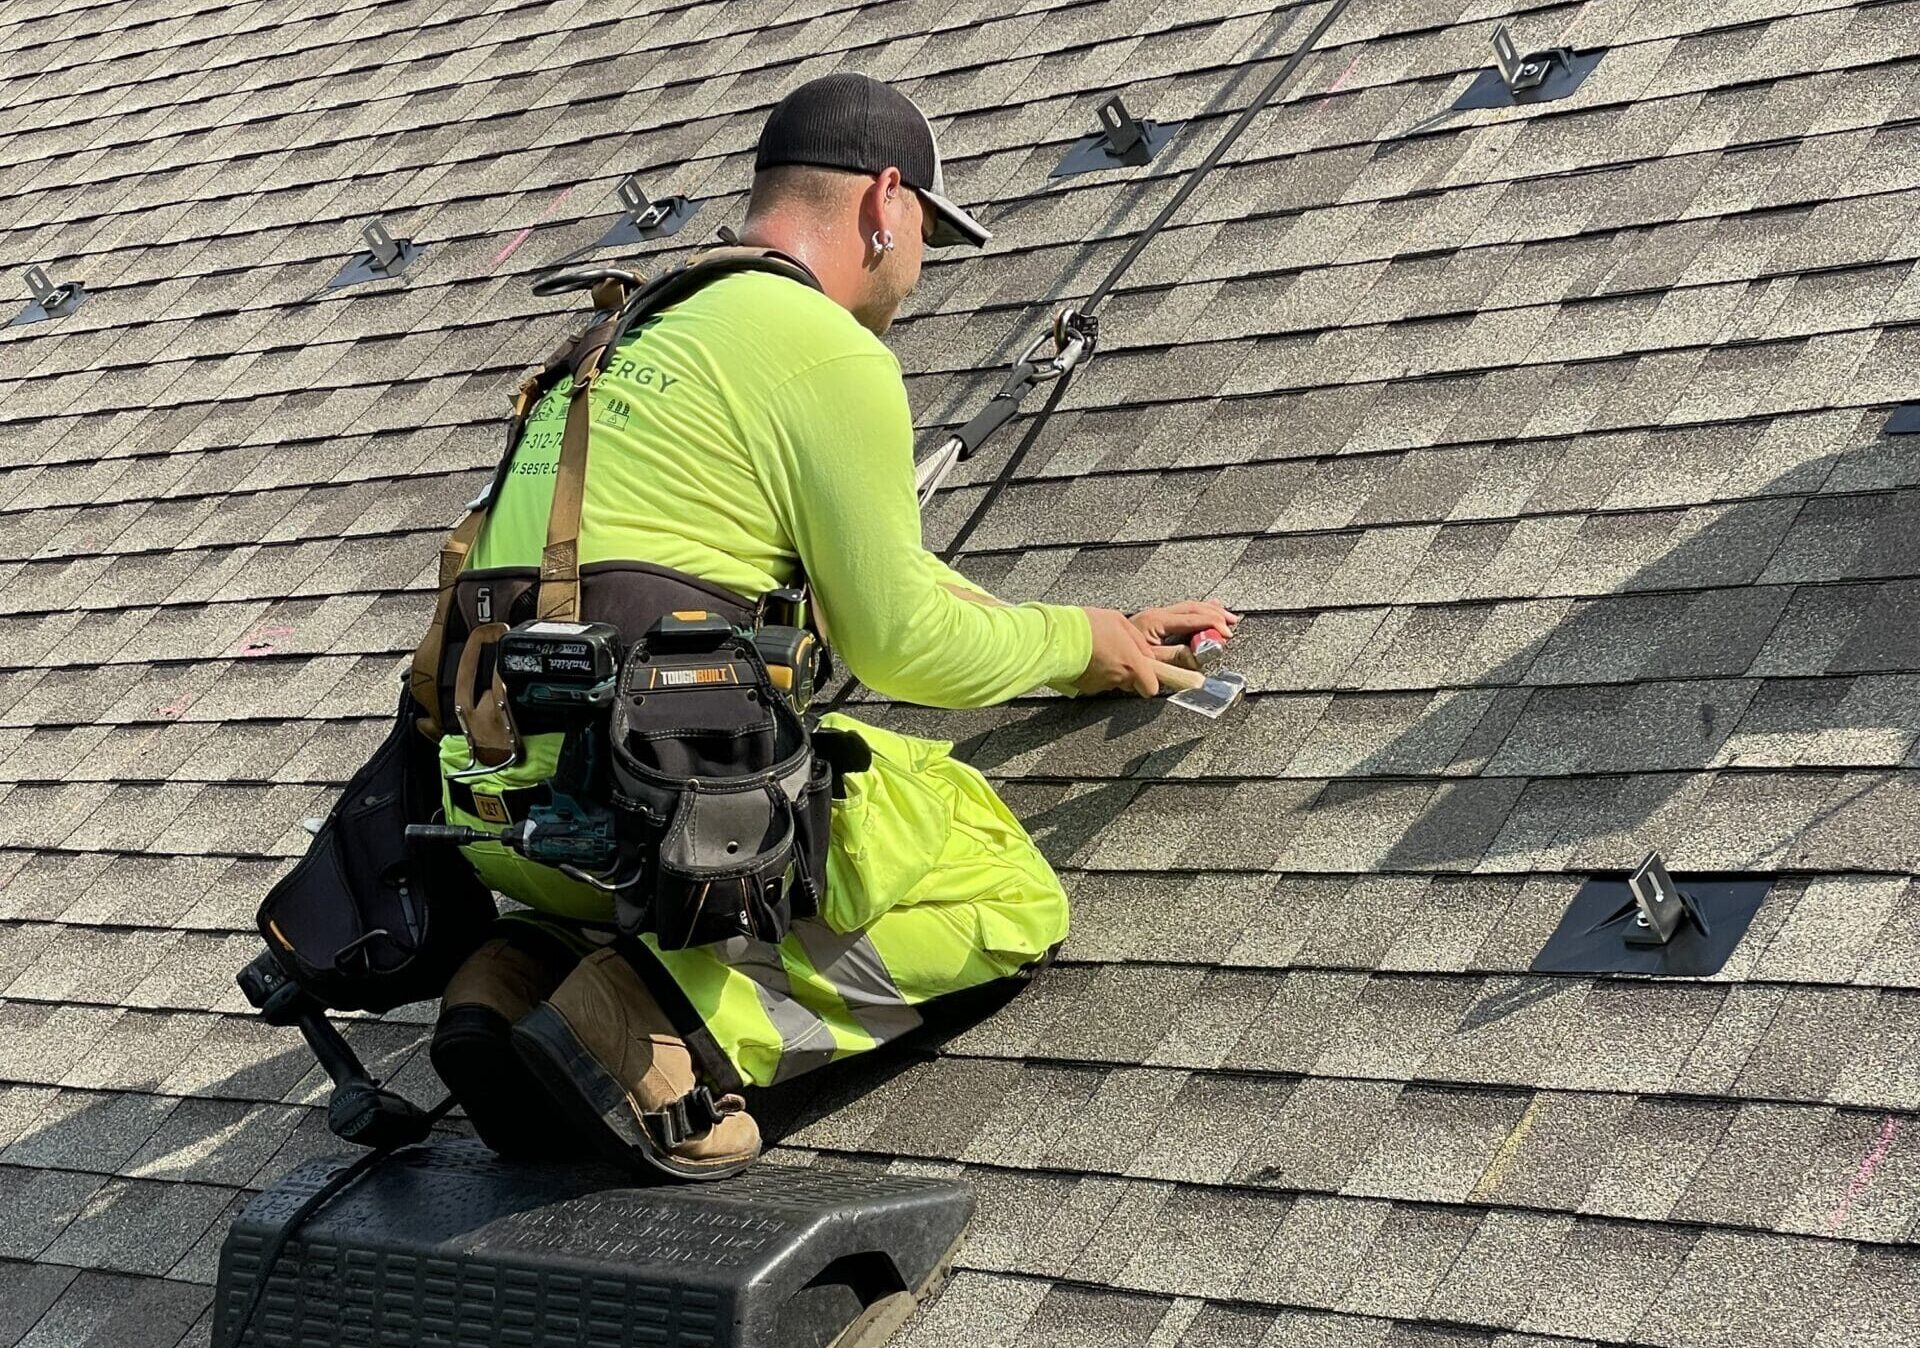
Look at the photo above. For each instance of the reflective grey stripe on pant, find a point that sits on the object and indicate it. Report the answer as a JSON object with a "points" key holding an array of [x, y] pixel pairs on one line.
{"points": [[805, 1040], [854, 967]]}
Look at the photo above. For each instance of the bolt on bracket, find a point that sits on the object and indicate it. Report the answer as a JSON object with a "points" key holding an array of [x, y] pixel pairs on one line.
{"points": [[1537, 77], [645, 218], [1662, 906], [386, 257], [49, 300], [1123, 140]]}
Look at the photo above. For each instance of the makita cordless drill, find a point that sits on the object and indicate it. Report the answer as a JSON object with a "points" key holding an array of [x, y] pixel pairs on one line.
{"points": [[559, 678]]}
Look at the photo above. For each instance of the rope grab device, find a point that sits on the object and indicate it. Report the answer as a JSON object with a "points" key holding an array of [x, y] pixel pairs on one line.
{"points": [[1074, 336]]}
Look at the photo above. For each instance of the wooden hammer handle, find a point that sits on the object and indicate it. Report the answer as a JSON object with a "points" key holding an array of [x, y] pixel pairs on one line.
{"points": [[1177, 678]]}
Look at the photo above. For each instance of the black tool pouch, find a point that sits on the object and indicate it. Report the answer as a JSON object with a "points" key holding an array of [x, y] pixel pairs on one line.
{"points": [[362, 922], [722, 806]]}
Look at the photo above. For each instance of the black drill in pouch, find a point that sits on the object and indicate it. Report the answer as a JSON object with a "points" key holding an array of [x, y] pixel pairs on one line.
{"points": [[717, 790]]}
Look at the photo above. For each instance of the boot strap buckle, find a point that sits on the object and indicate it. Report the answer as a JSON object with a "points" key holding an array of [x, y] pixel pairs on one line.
{"points": [[692, 1115]]}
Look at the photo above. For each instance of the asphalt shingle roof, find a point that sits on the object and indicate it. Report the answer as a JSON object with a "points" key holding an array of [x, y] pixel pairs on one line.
{"points": [[1542, 446]]}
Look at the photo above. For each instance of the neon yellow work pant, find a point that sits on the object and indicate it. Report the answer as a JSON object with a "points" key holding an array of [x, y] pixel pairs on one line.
{"points": [[933, 887]]}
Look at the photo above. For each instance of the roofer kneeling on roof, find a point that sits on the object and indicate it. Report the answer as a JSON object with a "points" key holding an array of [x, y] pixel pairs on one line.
{"points": [[749, 435]]}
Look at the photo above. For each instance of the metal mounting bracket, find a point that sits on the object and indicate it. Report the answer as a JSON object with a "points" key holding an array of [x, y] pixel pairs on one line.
{"points": [[49, 300], [645, 218], [386, 257], [1905, 420], [1651, 924], [1662, 906], [1537, 77], [1123, 140]]}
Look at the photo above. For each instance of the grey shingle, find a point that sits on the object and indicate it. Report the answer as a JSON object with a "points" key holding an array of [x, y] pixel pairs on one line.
{"points": [[39, 1205], [1748, 1289], [1658, 1148], [1606, 1277], [32, 1288], [1319, 1134], [1495, 1278], [88, 1130], [1882, 1068], [1881, 1295], [138, 1225], [97, 1309], [1085, 1319], [1412, 1251], [1437, 1145], [1313, 1257], [976, 1309], [1544, 424]]}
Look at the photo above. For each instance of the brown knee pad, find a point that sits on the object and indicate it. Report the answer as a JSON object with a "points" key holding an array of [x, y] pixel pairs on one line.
{"points": [[499, 983]]}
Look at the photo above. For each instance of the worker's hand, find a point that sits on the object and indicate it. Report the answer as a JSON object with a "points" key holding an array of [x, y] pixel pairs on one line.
{"points": [[1122, 656], [1167, 629]]}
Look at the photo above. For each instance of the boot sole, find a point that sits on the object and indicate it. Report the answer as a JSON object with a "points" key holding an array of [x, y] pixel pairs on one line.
{"points": [[597, 1103]]}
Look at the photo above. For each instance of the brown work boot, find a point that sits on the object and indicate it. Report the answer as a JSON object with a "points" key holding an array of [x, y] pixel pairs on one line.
{"points": [[472, 1047], [602, 1047]]}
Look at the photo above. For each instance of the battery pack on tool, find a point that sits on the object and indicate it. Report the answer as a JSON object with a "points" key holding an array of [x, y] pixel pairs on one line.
{"points": [[554, 672], [793, 658]]}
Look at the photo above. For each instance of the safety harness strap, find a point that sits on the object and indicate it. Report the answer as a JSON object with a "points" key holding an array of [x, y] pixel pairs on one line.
{"points": [[423, 680], [559, 598]]}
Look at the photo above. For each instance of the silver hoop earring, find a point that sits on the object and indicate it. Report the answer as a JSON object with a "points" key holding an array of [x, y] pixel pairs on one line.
{"points": [[883, 241]]}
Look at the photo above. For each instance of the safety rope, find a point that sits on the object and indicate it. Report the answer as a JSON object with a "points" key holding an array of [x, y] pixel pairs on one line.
{"points": [[1120, 268], [1075, 334]]}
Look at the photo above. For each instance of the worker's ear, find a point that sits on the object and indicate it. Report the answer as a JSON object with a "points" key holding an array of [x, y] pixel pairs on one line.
{"points": [[884, 206]]}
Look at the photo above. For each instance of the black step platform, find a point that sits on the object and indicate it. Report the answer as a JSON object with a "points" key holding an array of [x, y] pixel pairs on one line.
{"points": [[444, 1244]]}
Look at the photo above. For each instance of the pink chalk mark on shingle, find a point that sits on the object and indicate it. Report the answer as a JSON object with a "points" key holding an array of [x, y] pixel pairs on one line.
{"points": [[1863, 1176], [1337, 85], [527, 233]]}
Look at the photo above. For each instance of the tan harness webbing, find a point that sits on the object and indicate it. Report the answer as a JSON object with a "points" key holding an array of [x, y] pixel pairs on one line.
{"points": [[559, 597], [423, 680]]}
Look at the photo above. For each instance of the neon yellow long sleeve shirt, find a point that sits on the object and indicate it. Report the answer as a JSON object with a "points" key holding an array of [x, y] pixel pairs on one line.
{"points": [[753, 430]]}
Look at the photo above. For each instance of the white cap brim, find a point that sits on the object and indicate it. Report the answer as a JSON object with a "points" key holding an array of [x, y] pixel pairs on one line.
{"points": [[951, 225]]}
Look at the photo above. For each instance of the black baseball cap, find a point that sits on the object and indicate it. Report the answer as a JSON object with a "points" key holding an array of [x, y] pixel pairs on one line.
{"points": [[854, 122]]}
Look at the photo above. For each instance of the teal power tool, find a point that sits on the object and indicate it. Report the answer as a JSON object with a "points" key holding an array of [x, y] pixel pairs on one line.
{"points": [[559, 677]]}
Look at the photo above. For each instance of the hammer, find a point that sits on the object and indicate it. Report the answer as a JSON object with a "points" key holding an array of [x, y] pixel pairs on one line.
{"points": [[1207, 694]]}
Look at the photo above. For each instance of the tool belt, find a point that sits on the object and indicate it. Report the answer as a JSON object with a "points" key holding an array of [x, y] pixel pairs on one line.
{"points": [[362, 922]]}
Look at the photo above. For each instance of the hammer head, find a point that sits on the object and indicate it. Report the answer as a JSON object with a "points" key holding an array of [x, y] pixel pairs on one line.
{"points": [[1217, 693]]}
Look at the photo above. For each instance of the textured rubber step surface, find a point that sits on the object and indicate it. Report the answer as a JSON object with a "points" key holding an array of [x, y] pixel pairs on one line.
{"points": [[445, 1244]]}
